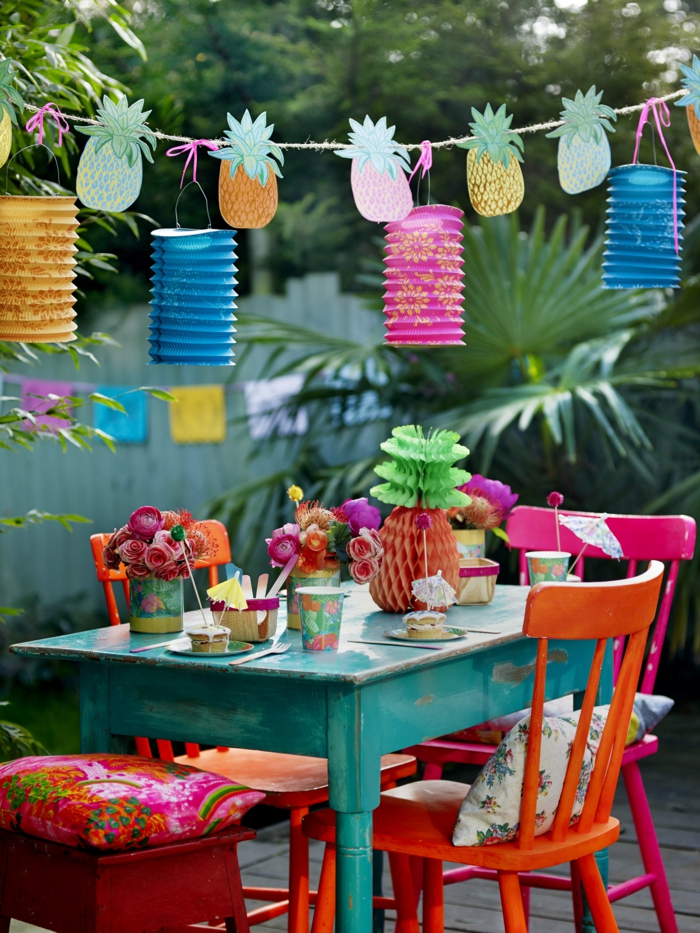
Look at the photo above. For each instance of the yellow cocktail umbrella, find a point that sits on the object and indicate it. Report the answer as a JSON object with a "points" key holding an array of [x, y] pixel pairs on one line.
{"points": [[231, 592]]}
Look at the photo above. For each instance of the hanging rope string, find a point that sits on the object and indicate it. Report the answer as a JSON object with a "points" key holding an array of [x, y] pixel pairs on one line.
{"points": [[331, 145]]}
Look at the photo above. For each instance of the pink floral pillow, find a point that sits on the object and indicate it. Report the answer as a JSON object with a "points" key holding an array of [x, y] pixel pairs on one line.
{"points": [[117, 801]]}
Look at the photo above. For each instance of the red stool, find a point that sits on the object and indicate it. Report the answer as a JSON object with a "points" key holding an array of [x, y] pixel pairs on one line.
{"points": [[290, 782], [136, 891]]}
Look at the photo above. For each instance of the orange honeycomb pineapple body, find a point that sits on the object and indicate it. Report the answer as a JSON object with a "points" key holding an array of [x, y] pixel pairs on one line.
{"points": [[244, 202]]}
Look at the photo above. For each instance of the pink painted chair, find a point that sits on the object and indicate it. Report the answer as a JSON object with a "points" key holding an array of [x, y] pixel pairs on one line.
{"points": [[643, 538]]}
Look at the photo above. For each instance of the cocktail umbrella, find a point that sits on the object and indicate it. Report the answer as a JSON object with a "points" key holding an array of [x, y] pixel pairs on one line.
{"points": [[230, 592], [434, 591], [593, 531]]}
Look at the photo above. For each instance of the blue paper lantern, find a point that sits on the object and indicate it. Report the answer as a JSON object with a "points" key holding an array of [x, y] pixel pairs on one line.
{"points": [[641, 227], [194, 291]]}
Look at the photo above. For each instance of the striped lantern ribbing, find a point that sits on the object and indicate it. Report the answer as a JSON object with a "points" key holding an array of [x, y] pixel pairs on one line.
{"points": [[423, 278]]}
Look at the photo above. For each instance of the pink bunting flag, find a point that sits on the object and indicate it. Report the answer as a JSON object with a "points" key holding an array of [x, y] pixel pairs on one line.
{"points": [[31, 388]]}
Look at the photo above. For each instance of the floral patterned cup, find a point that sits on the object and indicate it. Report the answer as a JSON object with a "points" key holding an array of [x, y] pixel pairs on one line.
{"points": [[321, 610], [547, 566]]}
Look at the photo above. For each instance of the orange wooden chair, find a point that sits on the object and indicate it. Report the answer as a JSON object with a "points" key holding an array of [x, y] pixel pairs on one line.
{"points": [[290, 782], [417, 820]]}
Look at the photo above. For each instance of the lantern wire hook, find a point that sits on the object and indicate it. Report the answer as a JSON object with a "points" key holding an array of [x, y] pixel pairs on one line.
{"points": [[33, 146], [206, 201]]}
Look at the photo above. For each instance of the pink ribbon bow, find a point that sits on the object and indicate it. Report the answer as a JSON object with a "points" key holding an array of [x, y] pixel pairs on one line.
{"points": [[191, 150], [663, 120], [37, 122], [425, 160]]}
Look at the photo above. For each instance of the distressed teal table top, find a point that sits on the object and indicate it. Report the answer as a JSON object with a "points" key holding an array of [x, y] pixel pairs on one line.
{"points": [[353, 662]]}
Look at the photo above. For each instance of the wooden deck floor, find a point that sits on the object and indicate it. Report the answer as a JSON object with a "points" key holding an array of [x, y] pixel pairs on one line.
{"points": [[672, 779]]}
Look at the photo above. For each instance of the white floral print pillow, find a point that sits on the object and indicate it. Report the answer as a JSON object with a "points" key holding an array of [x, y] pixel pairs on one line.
{"points": [[490, 812]]}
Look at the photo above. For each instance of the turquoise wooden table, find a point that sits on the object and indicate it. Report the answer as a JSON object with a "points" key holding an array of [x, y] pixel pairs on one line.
{"points": [[351, 706]]}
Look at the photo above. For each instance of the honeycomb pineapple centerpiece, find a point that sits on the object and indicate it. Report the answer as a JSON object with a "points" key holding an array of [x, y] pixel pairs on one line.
{"points": [[378, 179], [10, 102], [583, 156], [691, 100], [110, 170], [247, 182], [494, 177], [420, 478]]}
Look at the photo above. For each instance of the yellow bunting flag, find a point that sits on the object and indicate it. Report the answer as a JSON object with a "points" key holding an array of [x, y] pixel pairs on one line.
{"points": [[199, 415]]}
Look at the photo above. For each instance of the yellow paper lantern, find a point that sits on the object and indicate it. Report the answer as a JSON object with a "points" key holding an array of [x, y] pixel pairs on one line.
{"points": [[37, 268]]}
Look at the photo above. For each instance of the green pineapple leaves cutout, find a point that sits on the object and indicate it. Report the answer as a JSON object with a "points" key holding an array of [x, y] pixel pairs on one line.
{"points": [[421, 471], [10, 102], [110, 170], [583, 158]]}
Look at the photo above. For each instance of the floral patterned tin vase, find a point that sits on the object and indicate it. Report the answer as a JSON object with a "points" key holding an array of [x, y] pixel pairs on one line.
{"points": [[155, 606]]}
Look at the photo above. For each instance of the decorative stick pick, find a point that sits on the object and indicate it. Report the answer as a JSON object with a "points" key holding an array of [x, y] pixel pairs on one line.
{"points": [[178, 533], [554, 500], [423, 522]]}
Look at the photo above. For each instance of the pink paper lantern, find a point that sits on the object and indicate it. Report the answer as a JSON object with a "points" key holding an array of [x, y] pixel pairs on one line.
{"points": [[423, 278]]}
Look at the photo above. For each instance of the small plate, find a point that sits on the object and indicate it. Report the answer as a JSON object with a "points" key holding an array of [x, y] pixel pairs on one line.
{"points": [[448, 633], [234, 647]]}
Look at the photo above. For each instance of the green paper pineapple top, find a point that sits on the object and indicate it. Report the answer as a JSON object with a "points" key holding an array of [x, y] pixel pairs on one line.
{"points": [[375, 143], [691, 83], [251, 147], [421, 471], [123, 127], [492, 135], [585, 117], [10, 98]]}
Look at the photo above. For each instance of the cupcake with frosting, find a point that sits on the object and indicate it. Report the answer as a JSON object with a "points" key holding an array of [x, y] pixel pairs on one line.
{"points": [[209, 639]]}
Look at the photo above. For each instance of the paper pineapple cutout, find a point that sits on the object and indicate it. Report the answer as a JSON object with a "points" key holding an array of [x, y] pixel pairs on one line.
{"points": [[691, 101], [494, 177], [10, 101], [247, 183], [420, 477], [110, 170], [379, 183], [583, 157]]}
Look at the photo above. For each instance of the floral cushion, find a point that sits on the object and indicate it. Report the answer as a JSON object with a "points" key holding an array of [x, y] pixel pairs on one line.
{"points": [[117, 801], [491, 810]]}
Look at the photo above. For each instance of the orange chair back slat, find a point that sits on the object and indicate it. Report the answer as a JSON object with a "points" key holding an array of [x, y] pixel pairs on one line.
{"points": [[584, 611]]}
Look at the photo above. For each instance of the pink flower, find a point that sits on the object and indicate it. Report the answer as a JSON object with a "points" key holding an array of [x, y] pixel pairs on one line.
{"points": [[555, 499], [497, 491], [133, 551], [163, 539], [172, 570], [361, 514], [137, 571], [145, 522], [281, 547], [360, 548], [362, 571], [157, 556], [151, 603], [371, 534]]}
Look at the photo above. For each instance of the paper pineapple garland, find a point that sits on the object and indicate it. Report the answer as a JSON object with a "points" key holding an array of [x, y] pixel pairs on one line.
{"points": [[583, 156], [691, 101], [247, 182], [423, 278], [420, 477], [193, 297], [10, 102], [110, 171], [37, 268], [494, 177], [379, 183], [645, 217]]}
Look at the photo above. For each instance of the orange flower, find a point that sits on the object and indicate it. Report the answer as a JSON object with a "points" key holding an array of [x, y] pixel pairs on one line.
{"points": [[315, 606], [306, 603], [316, 540]]}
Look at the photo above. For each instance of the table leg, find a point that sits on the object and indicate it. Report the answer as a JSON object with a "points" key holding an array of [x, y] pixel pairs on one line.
{"points": [[354, 778], [94, 712]]}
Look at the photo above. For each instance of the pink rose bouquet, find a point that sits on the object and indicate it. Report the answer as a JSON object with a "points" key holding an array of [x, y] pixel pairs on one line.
{"points": [[146, 546], [348, 534]]}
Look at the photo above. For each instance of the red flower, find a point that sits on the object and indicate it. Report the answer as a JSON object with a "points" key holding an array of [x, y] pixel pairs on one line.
{"points": [[111, 558], [555, 499], [145, 522], [360, 548], [137, 571], [282, 547], [363, 571], [158, 555], [172, 570]]}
